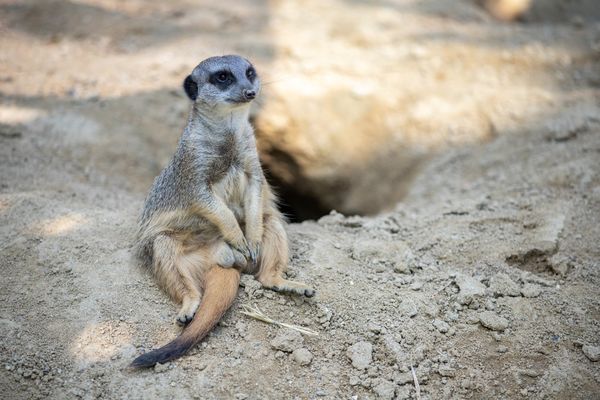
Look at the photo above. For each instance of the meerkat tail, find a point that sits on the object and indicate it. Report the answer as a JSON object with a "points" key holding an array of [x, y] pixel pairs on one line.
{"points": [[220, 290]]}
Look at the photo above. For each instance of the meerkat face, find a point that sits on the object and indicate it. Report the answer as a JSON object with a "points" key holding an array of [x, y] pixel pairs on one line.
{"points": [[223, 82]]}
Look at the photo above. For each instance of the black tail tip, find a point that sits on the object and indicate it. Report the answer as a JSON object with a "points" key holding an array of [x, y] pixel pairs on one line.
{"points": [[144, 361], [170, 352]]}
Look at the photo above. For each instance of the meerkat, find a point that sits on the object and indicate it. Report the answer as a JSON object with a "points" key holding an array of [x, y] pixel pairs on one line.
{"points": [[211, 214]]}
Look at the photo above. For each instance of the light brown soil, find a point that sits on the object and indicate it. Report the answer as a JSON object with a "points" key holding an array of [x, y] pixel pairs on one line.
{"points": [[501, 235]]}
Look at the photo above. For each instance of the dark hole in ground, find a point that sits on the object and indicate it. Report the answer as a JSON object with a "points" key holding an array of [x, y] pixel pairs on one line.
{"points": [[295, 205]]}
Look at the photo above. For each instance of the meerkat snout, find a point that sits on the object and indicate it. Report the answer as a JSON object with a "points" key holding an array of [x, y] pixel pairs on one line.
{"points": [[249, 94]]}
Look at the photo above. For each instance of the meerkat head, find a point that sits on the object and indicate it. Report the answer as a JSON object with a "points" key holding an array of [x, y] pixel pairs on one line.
{"points": [[223, 82]]}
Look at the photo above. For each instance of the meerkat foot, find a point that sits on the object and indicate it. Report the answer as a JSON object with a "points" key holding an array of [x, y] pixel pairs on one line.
{"points": [[187, 310], [284, 286]]}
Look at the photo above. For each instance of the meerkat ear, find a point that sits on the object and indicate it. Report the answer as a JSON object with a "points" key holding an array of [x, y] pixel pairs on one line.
{"points": [[190, 87]]}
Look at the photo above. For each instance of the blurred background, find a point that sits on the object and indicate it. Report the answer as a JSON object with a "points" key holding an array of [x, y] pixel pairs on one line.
{"points": [[356, 96]]}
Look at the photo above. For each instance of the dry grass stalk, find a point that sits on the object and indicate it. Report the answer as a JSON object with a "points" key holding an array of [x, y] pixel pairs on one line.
{"points": [[259, 315], [416, 381]]}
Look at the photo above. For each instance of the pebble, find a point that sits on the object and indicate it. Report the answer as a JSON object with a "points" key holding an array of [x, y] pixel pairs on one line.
{"points": [[531, 373], [302, 356], [375, 328], [361, 354], [403, 393], [502, 349], [591, 352], [385, 389], [492, 321], [408, 308], [469, 289], [287, 340], [403, 378], [446, 371], [531, 290], [502, 285], [441, 326]]}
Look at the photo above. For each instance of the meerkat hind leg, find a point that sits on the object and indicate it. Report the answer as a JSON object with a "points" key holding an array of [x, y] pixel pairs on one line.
{"points": [[176, 273], [273, 261]]}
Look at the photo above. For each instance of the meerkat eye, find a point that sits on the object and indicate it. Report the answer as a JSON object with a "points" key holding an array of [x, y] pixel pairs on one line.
{"points": [[250, 73], [222, 77]]}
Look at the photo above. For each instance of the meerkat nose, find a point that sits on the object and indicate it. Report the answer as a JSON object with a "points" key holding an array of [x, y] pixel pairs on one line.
{"points": [[249, 94]]}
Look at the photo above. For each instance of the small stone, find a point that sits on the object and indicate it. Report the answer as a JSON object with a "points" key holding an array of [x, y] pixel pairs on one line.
{"points": [[393, 349], [408, 308], [492, 321], [354, 380], [469, 289], [279, 354], [403, 378], [302, 356], [385, 389], [446, 371], [591, 352], [502, 285], [403, 393], [375, 328], [531, 290], [416, 286], [361, 354], [441, 326], [158, 367], [502, 349], [531, 373], [287, 340]]}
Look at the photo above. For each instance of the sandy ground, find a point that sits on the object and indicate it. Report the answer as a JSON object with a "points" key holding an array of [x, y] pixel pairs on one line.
{"points": [[484, 279]]}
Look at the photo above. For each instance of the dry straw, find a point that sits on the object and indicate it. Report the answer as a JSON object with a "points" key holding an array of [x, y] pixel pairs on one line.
{"points": [[259, 315]]}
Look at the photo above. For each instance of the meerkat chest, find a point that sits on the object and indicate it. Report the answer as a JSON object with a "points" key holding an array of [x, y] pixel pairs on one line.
{"points": [[232, 187]]}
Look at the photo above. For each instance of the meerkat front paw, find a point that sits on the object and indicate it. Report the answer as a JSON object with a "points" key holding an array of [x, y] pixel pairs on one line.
{"points": [[187, 311], [241, 246]]}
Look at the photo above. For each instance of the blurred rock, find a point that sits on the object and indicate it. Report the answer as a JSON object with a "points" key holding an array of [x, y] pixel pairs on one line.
{"points": [[361, 354], [385, 389], [302, 356], [287, 340], [591, 352], [502, 285], [493, 321], [469, 289]]}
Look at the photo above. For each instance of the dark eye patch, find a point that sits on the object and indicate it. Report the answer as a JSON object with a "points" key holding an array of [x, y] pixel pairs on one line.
{"points": [[221, 79], [251, 74]]}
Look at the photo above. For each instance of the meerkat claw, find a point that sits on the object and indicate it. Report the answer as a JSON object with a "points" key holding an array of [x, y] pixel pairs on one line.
{"points": [[254, 252]]}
